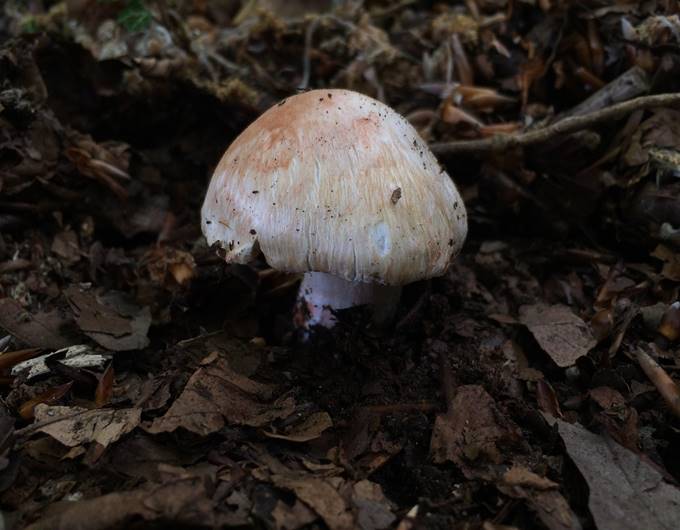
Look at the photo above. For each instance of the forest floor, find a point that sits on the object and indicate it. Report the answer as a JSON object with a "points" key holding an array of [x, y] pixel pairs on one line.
{"points": [[145, 383]]}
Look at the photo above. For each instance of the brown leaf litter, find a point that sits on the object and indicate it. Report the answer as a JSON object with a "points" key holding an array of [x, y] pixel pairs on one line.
{"points": [[74, 426], [215, 396], [473, 432], [111, 320], [40, 330], [561, 334], [626, 492]]}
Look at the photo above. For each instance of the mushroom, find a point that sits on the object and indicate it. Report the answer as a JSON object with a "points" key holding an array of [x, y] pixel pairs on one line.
{"points": [[340, 187]]}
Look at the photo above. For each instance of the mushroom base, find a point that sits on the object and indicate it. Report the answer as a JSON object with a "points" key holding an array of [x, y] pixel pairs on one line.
{"points": [[322, 294]]}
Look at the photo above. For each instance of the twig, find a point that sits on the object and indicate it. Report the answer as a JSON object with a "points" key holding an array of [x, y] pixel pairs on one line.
{"points": [[668, 389], [566, 126], [630, 84]]}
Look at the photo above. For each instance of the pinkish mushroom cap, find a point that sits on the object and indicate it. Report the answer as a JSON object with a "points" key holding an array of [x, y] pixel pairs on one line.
{"points": [[336, 182]]}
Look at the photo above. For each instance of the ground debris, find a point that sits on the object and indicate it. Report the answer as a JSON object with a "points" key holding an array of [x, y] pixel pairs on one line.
{"points": [[626, 492], [340, 504], [76, 356], [561, 334], [40, 330], [474, 432], [74, 426], [181, 502], [111, 320], [309, 429], [541, 496], [216, 396]]}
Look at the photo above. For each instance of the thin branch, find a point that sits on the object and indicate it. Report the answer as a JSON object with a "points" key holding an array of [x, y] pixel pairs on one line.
{"points": [[566, 126], [668, 389]]}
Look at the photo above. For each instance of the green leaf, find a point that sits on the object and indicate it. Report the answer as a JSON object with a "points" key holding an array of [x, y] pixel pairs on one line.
{"points": [[29, 25], [135, 16]]}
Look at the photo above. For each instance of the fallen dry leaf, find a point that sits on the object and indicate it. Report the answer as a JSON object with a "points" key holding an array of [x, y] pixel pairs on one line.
{"points": [[474, 429], [111, 320], [309, 429], [12, 358], [671, 262], [65, 245], [104, 390], [50, 396], [373, 510], [541, 495], [626, 493], [76, 356], [521, 476], [547, 399], [292, 517], [606, 397], [669, 326], [40, 330], [216, 396], [73, 426], [184, 502], [169, 267], [139, 456], [320, 495], [561, 334]]}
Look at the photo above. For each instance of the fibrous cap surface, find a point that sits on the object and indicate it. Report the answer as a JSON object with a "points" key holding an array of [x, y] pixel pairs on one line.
{"points": [[337, 182]]}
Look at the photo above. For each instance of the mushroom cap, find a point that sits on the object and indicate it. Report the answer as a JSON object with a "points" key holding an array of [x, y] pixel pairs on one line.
{"points": [[335, 181]]}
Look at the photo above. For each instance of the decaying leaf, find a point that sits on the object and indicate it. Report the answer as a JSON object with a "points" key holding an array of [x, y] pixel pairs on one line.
{"points": [[626, 492], [521, 476], [74, 426], [104, 387], [541, 495], [561, 334], [183, 502], [65, 245], [473, 431], [307, 430], [671, 262], [40, 330], [374, 511], [111, 320], [102, 163], [216, 396], [547, 399], [169, 267], [322, 496], [77, 356], [340, 503], [292, 517], [49, 397], [9, 360]]}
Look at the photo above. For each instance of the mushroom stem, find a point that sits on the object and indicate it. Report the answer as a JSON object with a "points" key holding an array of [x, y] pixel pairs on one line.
{"points": [[322, 294]]}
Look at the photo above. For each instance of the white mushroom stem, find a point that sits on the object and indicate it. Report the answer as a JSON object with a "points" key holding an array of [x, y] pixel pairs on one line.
{"points": [[322, 294]]}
